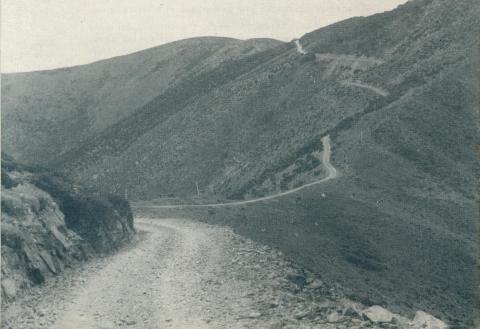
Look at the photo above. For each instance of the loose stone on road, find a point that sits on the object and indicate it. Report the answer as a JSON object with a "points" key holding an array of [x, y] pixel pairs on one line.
{"points": [[184, 274]]}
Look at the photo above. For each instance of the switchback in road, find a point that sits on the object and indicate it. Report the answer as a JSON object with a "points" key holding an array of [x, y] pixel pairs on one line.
{"points": [[300, 47], [331, 174]]}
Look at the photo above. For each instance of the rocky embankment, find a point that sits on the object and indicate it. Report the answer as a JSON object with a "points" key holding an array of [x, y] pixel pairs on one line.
{"points": [[49, 224], [185, 274]]}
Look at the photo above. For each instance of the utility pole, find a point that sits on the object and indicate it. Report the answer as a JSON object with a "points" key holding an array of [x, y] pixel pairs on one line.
{"points": [[198, 190]]}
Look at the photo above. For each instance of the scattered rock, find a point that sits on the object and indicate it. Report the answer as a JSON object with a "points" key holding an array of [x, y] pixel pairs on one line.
{"points": [[351, 312], [254, 315], [333, 317], [315, 284], [273, 305], [300, 315], [325, 306], [47, 258], [37, 244], [427, 321], [378, 314], [9, 288], [277, 325]]}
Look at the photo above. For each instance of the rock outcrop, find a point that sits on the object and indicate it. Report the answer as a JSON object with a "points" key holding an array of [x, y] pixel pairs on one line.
{"points": [[427, 321], [49, 224], [378, 314]]}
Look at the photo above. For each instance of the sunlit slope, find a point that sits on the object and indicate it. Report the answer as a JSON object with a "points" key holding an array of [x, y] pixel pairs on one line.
{"points": [[46, 113]]}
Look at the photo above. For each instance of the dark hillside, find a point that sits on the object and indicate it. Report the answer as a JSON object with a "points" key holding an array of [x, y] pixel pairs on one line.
{"points": [[237, 126], [46, 113], [391, 253], [398, 94]]}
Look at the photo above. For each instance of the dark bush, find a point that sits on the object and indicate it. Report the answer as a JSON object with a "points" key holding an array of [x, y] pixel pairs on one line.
{"points": [[7, 181], [91, 215], [11, 237], [310, 57]]}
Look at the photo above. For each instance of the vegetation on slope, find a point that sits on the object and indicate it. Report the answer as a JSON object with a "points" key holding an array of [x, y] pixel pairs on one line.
{"points": [[49, 223], [226, 127], [46, 113], [398, 94]]}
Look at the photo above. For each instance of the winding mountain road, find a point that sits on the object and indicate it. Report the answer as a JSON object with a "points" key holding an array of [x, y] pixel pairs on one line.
{"points": [[183, 275], [190, 275], [300, 48], [357, 84], [331, 174], [376, 90]]}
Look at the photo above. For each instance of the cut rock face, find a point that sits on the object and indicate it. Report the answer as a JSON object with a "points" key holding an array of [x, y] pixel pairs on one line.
{"points": [[378, 314], [427, 321], [38, 238]]}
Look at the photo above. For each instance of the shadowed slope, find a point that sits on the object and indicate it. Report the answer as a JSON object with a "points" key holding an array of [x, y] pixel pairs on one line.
{"points": [[46, 113]]}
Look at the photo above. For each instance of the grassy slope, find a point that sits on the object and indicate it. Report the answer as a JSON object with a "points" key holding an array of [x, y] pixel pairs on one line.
{"points": [[229, 127], [46, 113], [394, 253], [400, 225]]}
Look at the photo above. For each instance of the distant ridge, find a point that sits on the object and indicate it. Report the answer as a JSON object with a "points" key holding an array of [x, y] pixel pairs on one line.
{"points": [[396, 92]]}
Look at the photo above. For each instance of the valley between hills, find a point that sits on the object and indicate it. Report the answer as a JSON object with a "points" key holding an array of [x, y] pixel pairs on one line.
{"points": [[326, 182]]}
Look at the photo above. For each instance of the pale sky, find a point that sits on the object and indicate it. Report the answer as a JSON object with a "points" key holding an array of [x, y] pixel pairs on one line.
{"points": [[44, 34]]}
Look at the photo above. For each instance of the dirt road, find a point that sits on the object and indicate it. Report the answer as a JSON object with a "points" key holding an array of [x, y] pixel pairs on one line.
{"points": [[300, 47], [331, 174], [183, 274], [376, 90], [190, 275]]}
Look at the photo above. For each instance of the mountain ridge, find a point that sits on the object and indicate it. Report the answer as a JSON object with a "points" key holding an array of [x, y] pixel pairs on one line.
{"points": [[95, 96], [142, 51], [396, 92]]}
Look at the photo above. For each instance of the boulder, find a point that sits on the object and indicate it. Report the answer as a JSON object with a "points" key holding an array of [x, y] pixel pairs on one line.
{"points": [[254, 315], [333, 317], [315, 284], [47, 259], [426, 321], [9, 288], [378, 314]]}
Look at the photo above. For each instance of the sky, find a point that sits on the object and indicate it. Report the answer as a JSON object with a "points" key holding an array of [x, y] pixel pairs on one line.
{"points": [[45, 34]]}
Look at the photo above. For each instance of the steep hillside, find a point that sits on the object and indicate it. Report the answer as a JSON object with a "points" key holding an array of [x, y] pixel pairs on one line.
{"points": [[49, 112], [397, 93], [49, 223], [253, 126], [401, 107]]}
